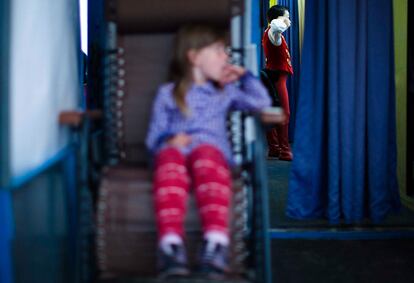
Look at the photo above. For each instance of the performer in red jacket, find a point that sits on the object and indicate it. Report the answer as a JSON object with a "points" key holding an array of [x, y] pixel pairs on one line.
{"points": [[278, 67]]}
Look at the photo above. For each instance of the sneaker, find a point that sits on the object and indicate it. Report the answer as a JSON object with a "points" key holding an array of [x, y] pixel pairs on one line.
{"points": [[214, 262], [173, 265]]}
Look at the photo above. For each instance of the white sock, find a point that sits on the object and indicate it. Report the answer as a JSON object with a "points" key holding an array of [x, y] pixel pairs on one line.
{"points": [[170, 239], [216, 237]]}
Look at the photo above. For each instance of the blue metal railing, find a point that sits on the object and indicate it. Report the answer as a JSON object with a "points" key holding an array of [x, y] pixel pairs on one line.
{"points": [[335, 234], [65, 157]]}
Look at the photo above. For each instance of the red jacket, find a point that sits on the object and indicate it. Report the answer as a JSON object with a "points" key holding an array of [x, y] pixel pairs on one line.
{"points": [[277, 57]]}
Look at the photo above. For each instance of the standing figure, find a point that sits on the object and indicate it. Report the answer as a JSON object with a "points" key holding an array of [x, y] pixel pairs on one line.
{"points": [[188, 139], [278, 68]]}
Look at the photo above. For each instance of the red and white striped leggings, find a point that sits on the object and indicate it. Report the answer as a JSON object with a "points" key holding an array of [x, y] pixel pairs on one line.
{"points": [[204, 169]]}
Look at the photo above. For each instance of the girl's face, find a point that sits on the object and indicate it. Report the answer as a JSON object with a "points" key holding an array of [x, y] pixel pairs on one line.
{"points": [[209, 62]]}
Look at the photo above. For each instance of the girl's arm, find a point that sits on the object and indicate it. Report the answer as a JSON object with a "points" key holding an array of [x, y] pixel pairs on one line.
{"points": [[158, 131], [251, 95]]}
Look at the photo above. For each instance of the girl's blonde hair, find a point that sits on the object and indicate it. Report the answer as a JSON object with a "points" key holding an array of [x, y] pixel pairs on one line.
{"points": [[194, 37]]}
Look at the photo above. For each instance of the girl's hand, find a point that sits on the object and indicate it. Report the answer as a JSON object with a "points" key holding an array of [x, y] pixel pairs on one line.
{"points": [[231, 73], [179, 140]]}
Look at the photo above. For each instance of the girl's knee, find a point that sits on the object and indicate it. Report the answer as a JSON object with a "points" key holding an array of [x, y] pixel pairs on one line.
{"points": [[207, 151]]}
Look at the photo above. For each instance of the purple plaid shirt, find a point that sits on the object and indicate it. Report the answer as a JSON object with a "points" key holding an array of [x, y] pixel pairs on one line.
{"points": [[208, 107]]}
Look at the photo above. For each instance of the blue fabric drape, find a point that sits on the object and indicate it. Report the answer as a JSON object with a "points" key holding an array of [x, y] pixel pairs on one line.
{"points": [[292, 39], [264, 7], [344, 163], [5, 236]]}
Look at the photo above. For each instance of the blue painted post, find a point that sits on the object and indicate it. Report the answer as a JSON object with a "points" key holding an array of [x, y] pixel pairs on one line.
{"points": [[261, 203], [70, 176], [5, 201], [6, 275]]}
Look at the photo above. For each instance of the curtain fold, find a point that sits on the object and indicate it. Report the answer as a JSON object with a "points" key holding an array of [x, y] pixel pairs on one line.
{"points": [[344, 164]]}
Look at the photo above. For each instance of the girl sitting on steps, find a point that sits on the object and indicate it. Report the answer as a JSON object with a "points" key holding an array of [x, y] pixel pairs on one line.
{"points": [[188, 139]]}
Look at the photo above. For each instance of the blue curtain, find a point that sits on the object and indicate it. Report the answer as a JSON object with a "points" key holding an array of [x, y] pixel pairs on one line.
{"points": [[264, 7], [5, 236], [292, 39], [344, 165]]}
